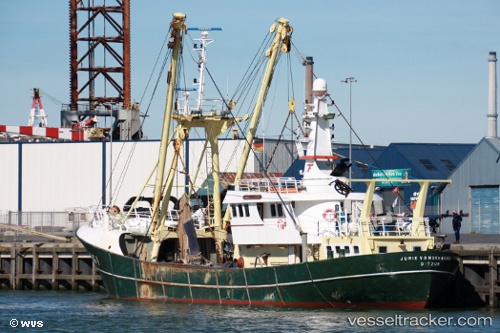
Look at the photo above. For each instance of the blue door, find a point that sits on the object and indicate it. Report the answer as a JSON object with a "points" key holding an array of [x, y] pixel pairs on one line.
{"points": [[485, 210]]}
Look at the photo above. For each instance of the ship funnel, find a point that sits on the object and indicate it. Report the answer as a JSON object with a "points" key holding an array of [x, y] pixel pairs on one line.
{"points": [[492, 95], [309, 79]]}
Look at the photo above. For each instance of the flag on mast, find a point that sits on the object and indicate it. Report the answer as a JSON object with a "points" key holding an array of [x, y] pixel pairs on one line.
{"points": [[395, 202], [396, 190]]}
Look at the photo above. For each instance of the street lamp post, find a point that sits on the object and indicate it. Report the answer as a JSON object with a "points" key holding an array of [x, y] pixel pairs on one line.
{"points": [[350, 80]]}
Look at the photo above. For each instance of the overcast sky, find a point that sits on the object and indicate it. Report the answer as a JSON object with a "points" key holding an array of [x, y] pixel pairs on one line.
{"points": [[421, 66]]}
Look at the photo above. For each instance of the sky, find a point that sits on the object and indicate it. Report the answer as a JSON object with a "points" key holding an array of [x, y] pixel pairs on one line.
{"points": [[421, 66]]}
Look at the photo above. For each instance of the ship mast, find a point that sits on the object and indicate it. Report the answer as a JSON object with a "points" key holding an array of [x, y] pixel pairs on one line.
{"points": [[281, 41], [204, 42], [176, 33], [214, 122]]}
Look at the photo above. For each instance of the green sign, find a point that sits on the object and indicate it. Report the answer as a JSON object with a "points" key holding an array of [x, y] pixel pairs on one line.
{"points": [[386, 175]]}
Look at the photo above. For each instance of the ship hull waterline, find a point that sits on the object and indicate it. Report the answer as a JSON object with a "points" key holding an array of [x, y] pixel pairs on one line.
{"points": [[411, 280]]}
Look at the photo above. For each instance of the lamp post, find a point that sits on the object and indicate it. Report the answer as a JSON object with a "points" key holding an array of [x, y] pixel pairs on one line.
{"points": [[350, 80]]}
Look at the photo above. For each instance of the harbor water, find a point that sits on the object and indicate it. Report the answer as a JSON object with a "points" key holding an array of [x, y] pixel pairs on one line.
{"points": [[51, 311]]}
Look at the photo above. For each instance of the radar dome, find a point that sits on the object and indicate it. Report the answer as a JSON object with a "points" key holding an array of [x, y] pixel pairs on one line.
{"points": [[319, 85]]}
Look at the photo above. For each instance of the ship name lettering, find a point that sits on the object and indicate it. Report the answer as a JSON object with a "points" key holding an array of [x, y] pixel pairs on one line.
{"points": [[430, 264], [425, 258]]}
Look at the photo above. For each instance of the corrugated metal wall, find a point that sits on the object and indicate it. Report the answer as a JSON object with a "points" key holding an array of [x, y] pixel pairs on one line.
{"points": [[480, 168], [285, 153]]}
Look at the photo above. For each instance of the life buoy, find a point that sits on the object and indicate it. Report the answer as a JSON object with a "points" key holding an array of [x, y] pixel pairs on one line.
{"points": [[329, 215], [281, 224], [372, 217]]}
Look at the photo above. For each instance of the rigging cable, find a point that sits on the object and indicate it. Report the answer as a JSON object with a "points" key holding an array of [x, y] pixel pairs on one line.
{"points": [[160, 75], [52, 99], [368, 151], [290, 89]]}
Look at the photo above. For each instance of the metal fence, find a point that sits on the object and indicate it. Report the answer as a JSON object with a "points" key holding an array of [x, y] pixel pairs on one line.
{"points": [[44, 222]]}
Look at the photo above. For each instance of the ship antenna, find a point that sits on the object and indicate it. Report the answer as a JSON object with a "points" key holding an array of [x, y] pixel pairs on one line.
{"points": [[202, 60]]}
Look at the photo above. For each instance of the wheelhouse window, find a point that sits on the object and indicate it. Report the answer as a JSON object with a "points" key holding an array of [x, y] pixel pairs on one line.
{"points": [[280, 210], [240, 210], [277, 210]]}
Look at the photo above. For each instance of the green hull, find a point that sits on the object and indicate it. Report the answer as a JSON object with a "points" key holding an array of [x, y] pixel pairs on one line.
{"points": [[396, 280]]}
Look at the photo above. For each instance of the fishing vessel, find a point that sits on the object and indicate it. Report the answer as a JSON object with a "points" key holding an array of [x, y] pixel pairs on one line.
{"points": [[276, 241]]}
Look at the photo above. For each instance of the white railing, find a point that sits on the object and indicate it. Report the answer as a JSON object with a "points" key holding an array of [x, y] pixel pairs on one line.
{"points": [[336, 228], [281, 185], [400, 227]]}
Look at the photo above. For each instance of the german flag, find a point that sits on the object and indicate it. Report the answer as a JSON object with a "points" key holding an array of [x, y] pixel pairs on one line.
{"points": [[258, 145]]}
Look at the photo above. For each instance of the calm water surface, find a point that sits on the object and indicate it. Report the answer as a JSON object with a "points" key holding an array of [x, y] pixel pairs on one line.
{"points": [[63, 311]]}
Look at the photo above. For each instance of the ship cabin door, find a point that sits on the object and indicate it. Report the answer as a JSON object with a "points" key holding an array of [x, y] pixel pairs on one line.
{"points": [[260, 208]]}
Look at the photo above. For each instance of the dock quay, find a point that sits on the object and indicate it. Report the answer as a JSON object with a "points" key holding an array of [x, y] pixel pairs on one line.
{"points": [[38, 264], [480, 267], [479, 262]]}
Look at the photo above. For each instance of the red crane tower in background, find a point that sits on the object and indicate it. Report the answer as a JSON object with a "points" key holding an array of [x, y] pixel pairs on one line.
{"points": [[100, 84]]}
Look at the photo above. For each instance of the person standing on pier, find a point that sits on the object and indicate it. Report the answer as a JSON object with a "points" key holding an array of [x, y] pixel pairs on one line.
{"points": [[457, 224]]}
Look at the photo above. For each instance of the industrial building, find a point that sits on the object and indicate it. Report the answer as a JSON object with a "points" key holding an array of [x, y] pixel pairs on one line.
{"points": [[54, 176], [474, 190]]}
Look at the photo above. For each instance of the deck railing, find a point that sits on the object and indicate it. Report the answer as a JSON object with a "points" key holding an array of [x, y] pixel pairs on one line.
{"points": [[281, 185]]}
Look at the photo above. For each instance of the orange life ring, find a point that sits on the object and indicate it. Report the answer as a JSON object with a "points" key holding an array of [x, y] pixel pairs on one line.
{"points": [[281, 224], [329, 215]]}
